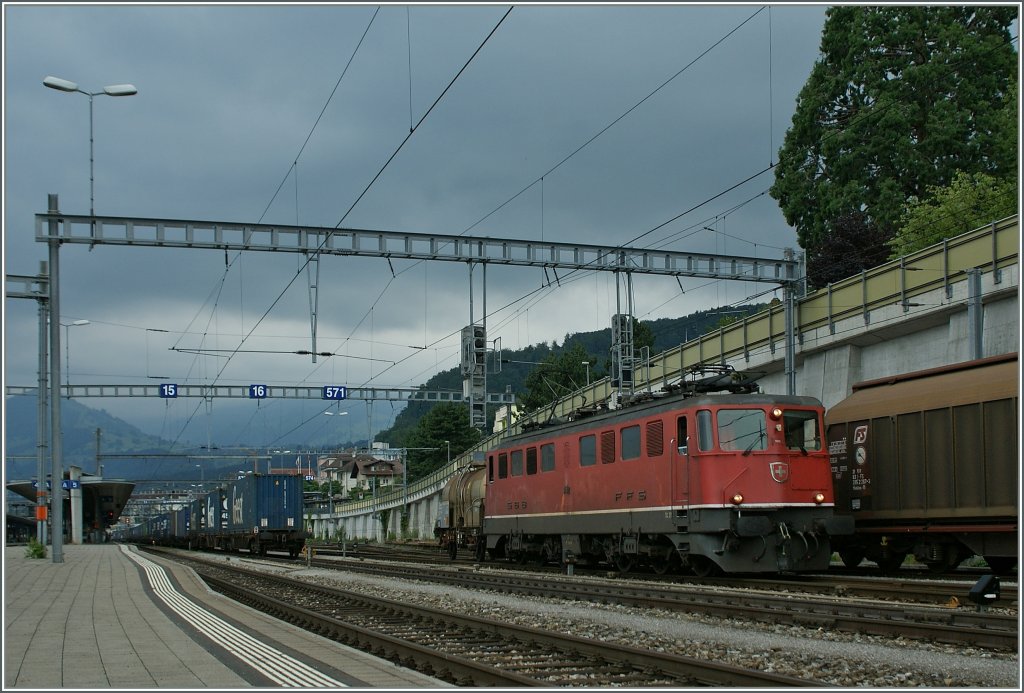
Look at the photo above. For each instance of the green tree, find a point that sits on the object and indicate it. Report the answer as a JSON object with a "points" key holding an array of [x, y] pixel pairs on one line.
{"points": [[901, 99], [446, 421], [643, 336], [555, 376], [852, 243], [968, 203]]}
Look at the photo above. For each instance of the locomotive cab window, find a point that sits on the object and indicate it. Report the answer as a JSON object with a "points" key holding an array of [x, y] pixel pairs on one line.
{"points": [[801, 429], [531, 460], [547, 457], [705, 434], [502, 465], [742, 429], [630, 442], [588, 451], [682, 437], [517, 463]]}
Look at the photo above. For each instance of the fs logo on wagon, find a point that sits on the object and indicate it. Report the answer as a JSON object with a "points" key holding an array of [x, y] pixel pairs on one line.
{"points": [[780, 471], [860, 435]]}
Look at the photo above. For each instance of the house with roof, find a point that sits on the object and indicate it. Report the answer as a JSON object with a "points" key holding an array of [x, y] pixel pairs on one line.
{"points": [[361, 470]]}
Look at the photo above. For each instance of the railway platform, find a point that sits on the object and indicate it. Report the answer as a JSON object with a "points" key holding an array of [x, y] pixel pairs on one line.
{"points": [[111, 617]]}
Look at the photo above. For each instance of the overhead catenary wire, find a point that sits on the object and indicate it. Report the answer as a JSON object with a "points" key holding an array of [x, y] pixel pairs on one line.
{"points": [[694, 207], [291, 281], [420, 121]]}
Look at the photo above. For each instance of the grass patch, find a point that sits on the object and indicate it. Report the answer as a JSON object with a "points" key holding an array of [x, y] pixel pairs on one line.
{"points": [[35, 549]]}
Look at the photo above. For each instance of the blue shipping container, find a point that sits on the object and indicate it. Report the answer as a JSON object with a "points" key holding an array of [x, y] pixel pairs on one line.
{"points": [[265, 502]]}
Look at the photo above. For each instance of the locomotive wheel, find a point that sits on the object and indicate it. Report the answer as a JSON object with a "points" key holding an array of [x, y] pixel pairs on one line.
{"points": [[662, 564], [703, 567], [624, 562], [851, 557]]}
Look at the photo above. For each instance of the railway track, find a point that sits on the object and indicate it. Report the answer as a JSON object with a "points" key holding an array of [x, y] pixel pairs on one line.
{"points": [[920, 589], [468, 650], [837, 611]]}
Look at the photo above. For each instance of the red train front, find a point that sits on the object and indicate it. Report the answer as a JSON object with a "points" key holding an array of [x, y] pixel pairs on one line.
{"points": [[713, 483]]}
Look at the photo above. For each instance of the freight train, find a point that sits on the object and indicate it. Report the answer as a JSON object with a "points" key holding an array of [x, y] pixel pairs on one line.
{"points": [[927, 463], [709, 476], [257, 513]]}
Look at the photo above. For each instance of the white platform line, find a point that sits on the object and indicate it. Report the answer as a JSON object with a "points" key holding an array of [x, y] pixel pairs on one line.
{"points": [[283, 669]]}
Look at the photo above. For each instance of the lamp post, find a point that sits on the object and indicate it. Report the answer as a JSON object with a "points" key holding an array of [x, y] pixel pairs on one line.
{"points": [[67, 351], [113, 90], [587, 364], [448, 445], [331, 413]]}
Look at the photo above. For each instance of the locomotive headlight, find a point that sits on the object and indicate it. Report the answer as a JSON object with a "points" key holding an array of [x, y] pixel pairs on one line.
{"points": [[819, 497], [737, 499], [776, 413]]}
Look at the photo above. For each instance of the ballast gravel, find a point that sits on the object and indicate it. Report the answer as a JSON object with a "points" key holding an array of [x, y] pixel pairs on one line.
{"points": [[840, 659]]}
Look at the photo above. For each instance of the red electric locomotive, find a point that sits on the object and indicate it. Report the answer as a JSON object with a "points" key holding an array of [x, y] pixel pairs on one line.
{"points": [[737, 482]]}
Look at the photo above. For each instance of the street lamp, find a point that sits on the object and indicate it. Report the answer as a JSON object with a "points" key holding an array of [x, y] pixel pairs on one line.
{"points": [[340, 413], [449, 446], [587, 364], [67, 351], [113, 90]]}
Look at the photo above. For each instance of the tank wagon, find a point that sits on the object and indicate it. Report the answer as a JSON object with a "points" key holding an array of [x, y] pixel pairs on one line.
{"points": [[926, 463], [460, 512], [257, 513], [735, 482]]}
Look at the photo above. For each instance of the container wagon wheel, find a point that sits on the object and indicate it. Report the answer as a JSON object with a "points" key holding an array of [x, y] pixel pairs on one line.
{"points": [[481, 549], [851, 557], [453, 549], [1001, 565], [892, 562]]}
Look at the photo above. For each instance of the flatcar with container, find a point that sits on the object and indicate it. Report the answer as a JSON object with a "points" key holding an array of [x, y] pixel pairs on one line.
{"points": [[257, 513], [712, 476], [927, 464]]}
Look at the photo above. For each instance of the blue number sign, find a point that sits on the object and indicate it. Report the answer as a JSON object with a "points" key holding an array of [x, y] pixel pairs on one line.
{"points": [[257, 392], [168, 391], [335, 392]]}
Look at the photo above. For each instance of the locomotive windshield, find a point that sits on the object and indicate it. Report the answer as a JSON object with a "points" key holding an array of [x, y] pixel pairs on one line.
{"points": [[742, 429], [801, 428]]}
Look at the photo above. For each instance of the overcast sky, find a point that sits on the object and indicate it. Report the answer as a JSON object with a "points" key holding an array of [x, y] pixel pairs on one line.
{"points": [[227, 96]]}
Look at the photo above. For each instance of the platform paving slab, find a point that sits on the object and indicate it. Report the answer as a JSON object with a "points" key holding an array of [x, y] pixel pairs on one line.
{"points": [[94, 621]]}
